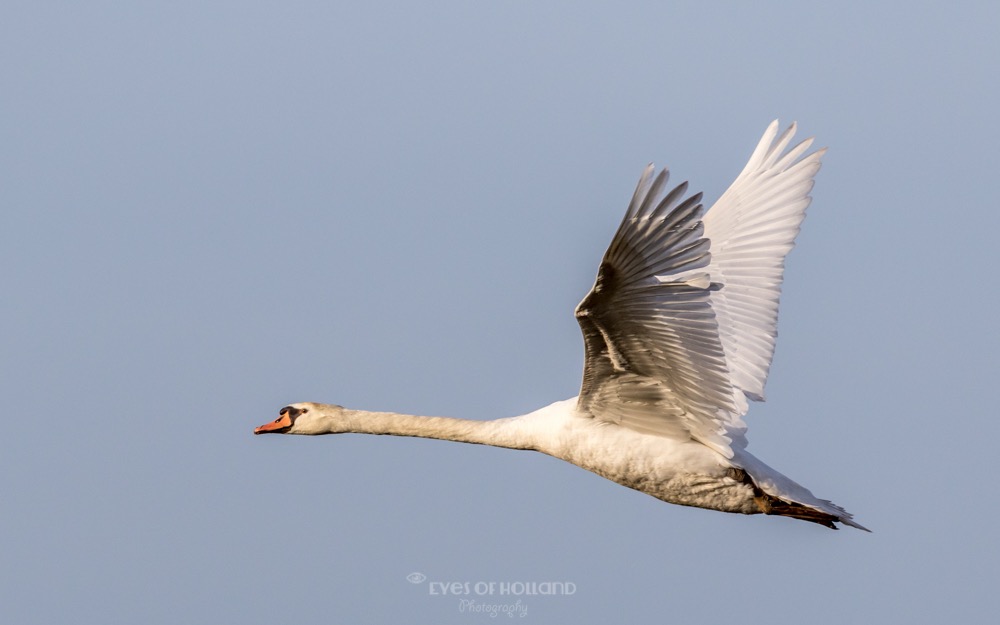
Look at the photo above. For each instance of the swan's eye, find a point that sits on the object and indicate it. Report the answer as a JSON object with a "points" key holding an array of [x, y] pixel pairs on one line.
{"points": [[303, 411]]}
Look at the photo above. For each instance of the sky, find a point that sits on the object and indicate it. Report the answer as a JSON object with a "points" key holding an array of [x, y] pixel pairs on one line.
{"points": [[211, 210]]}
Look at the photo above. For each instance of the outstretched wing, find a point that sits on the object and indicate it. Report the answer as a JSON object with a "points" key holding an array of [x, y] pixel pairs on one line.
{"points": [[654, 361], [752, 228], [662, 332]]}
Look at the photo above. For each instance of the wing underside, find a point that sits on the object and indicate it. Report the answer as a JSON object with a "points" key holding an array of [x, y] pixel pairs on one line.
{"points": [[679, 327]]}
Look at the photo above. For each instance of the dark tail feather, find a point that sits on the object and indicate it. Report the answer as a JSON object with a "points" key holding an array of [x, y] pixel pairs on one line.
{"points": [[771, 505]]}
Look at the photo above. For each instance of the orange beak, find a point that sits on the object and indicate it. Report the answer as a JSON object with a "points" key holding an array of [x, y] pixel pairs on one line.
{"points": [[277, 426]]}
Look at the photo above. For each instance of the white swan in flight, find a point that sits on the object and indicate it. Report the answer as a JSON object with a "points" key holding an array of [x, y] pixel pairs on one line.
{"points": [[679, 332]]}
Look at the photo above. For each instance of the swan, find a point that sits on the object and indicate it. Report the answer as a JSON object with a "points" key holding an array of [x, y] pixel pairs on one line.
{"points": [[679, 332]]}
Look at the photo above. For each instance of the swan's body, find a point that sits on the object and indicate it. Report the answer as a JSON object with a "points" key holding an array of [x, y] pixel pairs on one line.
{"points": [[679, 331]]}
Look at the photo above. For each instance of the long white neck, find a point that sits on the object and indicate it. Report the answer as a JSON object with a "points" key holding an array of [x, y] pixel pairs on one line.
{"points": [[512, 432]]}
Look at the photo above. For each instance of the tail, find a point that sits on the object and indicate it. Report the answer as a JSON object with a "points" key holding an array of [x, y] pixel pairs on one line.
{"points": [[780, 507], [777, 494]]}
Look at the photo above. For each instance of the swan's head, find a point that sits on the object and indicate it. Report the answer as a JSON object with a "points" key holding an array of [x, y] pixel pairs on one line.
{"points": [[305, 418]]}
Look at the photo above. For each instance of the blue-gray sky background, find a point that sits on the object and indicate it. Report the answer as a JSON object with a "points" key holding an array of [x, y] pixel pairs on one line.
{"points": [[210, 210]]}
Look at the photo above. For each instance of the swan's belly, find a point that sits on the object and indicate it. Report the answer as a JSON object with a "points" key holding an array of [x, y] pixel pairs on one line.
{"points": [[690, 489], [680, 472]]}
